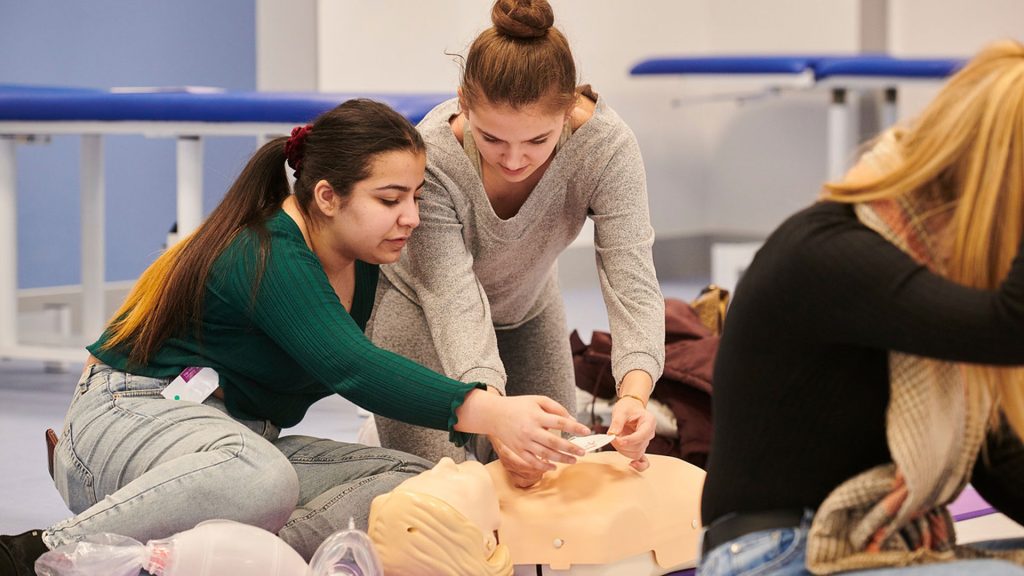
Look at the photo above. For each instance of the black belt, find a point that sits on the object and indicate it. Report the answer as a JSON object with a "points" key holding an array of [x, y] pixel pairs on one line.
{"points": [[737, 524]]}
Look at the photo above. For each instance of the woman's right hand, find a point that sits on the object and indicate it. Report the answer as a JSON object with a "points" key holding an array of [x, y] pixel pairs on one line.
{"points": [[524, 426], [522, 474], [527, 428]]}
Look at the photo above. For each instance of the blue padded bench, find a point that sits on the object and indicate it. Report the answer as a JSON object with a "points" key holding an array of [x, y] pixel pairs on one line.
{"points": [[886, 67], [838, 73], [187, 115], [44, 104], [866, 72], [820, 66], [725, 65]]}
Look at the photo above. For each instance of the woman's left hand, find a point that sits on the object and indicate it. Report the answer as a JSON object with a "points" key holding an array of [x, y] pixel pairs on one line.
{"points": [[632, 425]]}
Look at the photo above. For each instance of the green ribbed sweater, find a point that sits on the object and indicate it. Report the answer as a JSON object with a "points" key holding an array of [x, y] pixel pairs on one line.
{"points": [[296, 343]]}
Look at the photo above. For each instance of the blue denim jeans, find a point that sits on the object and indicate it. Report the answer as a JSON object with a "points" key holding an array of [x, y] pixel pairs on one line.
{"points": [[783, 552], [131, 462]]}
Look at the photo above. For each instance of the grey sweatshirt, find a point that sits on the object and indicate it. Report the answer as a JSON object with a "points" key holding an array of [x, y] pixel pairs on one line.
{"points": [[473, 272]]}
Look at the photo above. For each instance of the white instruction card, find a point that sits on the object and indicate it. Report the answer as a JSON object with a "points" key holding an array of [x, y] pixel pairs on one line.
{"points": [[593, 442]]}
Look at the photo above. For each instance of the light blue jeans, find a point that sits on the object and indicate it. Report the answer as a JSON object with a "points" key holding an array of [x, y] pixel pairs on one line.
{"points": [[131, 462], [783, 552]]}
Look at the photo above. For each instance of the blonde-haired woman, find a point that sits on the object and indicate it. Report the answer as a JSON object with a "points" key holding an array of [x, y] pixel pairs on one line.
{"points": [[869, 367]]}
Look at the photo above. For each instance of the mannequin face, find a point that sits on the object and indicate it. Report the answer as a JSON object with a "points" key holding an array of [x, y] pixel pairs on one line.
{"points": [[515, 142], [466, 487]]}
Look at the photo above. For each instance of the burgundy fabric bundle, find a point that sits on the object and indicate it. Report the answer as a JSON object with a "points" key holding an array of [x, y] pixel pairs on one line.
{"points": [[685, 385]]}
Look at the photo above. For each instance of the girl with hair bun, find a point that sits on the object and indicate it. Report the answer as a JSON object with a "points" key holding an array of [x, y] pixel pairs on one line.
{"points": [[515, 165]]}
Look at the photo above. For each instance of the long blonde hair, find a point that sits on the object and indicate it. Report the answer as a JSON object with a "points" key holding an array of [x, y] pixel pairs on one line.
{"points": [[421, 535], [967, 148]]}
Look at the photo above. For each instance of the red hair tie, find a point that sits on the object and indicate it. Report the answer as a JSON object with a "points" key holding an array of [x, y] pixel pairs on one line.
{"points": [[295, 146]]}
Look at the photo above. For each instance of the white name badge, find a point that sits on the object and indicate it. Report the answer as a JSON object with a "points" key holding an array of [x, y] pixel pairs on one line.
{"points": [[194, 384]]}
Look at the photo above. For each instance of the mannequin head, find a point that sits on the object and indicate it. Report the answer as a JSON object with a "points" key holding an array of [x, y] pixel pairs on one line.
{"points": [[597, 513], [465, 487], [441, 522]]}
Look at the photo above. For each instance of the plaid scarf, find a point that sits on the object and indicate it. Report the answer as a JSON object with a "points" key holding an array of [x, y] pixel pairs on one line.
{"points": [[896, 514]]}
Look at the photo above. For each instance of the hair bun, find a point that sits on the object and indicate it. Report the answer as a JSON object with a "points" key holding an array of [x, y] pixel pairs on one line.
{"points": [[522, 18]]}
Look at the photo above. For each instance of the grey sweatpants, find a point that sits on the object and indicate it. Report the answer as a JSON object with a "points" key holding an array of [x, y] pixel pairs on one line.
{"points": [[536, 356]]}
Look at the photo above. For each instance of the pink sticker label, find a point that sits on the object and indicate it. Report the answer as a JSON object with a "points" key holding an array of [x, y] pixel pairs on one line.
{"points": [[189, 372]]}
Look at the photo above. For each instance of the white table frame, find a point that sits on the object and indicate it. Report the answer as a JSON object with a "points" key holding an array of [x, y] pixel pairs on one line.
{"points": [[842, 135], [189, 153]]}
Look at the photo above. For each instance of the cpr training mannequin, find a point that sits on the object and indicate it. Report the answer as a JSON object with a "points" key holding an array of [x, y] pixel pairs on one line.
{"points": [[598, 516]]}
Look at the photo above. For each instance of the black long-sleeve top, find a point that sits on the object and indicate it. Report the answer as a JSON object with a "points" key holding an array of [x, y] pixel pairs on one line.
{"points": [[801, 377]]}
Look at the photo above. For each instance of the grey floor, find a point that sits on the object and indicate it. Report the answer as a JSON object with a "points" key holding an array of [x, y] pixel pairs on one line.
{"points": [[33, 399]]}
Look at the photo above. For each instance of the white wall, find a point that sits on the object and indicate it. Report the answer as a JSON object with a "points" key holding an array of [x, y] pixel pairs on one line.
{"points": [[952, 27], [286, 45], [608, 38], [925, 28], [784, 26], [766, 158], [364, 46], [394, 45], [714, 167]]}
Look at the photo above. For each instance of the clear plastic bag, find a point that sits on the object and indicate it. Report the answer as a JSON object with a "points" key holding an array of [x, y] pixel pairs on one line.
{"points": [[212, 548], [109, 554], [346, 553]]}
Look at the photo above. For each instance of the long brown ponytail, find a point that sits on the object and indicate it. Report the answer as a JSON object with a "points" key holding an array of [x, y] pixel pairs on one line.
{"points": [[339, 148]]}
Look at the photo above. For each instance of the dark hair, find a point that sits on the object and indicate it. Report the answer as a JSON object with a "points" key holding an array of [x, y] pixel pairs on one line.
{"points": [[339, 148], [343, 143], [521, 60]]}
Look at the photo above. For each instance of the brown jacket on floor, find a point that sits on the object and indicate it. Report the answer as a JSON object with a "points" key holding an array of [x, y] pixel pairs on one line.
{"points": [[685, 385]]}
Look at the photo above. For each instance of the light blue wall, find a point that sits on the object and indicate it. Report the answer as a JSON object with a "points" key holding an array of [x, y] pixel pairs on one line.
{"points": [[106, 43]]}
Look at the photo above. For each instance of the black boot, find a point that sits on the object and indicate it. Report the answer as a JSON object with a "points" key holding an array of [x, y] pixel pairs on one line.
{"points": [[18, 554]]}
